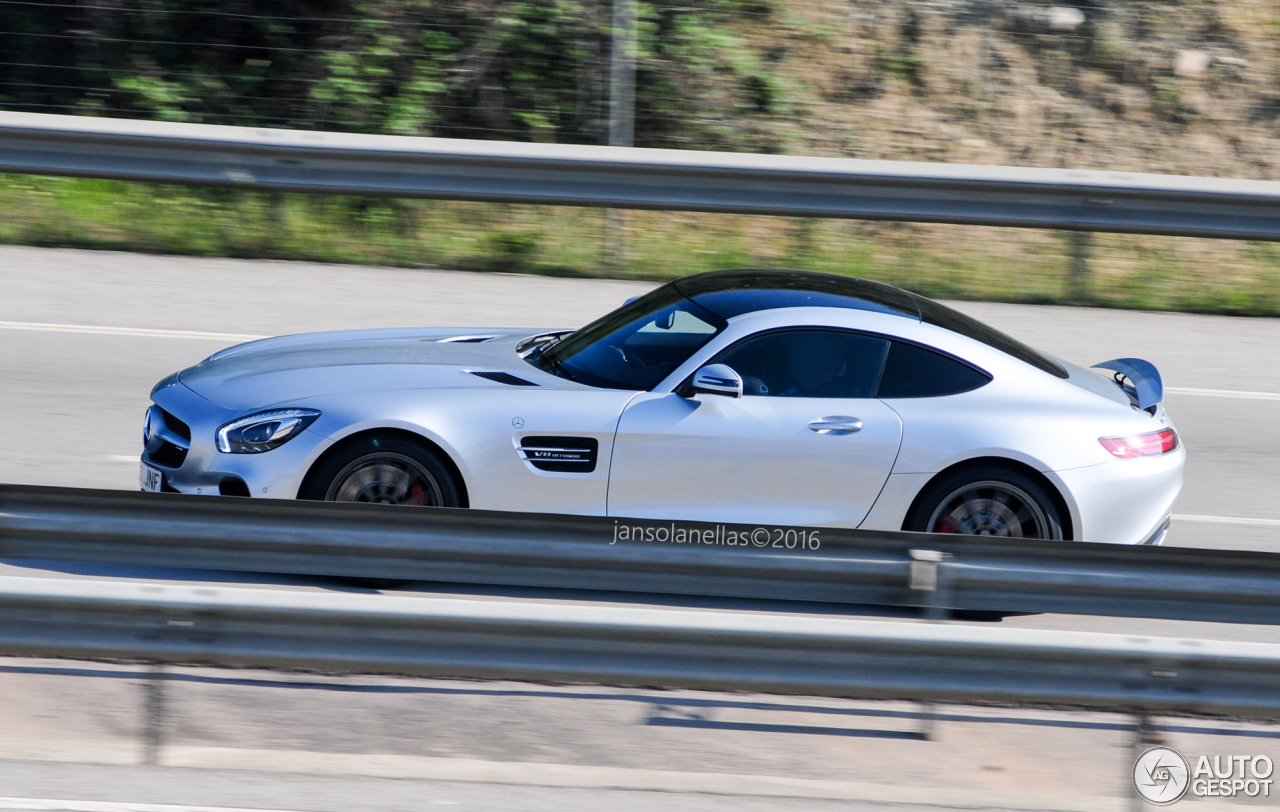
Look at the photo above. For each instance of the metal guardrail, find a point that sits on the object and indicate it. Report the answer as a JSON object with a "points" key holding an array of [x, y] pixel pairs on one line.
{"points": [[399, 166], [580, 552], [677, 648]]}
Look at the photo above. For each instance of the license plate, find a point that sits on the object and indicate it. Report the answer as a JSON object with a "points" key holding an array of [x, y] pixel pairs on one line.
{"points": [[150, 479]]}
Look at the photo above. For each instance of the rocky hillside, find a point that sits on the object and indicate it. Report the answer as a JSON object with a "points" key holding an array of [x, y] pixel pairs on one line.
{"points": [[1187, 87]]}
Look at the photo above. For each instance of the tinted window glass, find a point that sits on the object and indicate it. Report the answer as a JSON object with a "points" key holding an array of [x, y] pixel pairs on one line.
{"points": [[915, 372], [808, 364], [942, 316], [635, 346]]}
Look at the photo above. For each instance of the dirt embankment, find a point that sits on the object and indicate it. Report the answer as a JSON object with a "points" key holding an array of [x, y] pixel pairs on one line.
{"points": [[1173, 87]]}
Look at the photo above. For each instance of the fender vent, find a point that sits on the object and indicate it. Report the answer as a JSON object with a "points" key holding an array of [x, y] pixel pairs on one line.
{"points": [[504, 377], [571, 455]]}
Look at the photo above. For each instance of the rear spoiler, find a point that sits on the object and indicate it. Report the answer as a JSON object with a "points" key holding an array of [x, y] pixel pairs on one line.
{"points": [[1143, 375]]}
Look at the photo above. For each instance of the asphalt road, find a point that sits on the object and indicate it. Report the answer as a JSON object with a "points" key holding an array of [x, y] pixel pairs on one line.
{"points": [[114, 323], [81, 342], [258, 740], [71, 411]]}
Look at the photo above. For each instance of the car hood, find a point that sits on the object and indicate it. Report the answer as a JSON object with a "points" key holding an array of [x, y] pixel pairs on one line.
{"points": [[289, 369]]}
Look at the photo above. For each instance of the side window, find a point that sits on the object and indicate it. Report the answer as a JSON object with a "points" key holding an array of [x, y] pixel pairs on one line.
{"points": [[915, 372], [808, 364]]}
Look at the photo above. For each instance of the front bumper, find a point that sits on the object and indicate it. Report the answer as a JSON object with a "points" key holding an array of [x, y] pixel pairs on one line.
{"points": [[275, 474]]}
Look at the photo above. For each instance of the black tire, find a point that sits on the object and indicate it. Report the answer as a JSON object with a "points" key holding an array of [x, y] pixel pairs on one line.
{"points": [[416, 459], [986, 501], [384, 469]]}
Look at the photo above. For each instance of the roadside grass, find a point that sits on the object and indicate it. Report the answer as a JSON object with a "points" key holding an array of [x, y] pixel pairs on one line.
{"points": [[958, 262]]}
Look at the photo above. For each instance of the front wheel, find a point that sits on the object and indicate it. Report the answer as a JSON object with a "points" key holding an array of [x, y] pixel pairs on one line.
{"points": [[384, 470], [986, 502]]}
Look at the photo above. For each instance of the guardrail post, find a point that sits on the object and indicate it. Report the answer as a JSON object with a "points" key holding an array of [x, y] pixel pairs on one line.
{"points": [[1078, 277], [928, 575], [615, 240], [1144, 735], [154, 731]]}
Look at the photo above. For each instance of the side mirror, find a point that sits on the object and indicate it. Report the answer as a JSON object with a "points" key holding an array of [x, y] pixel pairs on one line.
{"points": [[717, 379]]}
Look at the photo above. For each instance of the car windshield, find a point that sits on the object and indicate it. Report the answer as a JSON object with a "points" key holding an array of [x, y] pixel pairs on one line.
{"points": [[635, 346]]}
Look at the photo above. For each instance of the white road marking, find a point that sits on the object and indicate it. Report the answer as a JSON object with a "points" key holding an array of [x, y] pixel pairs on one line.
{"points": [[1194, 517], [51, 805], [88, 329], [124, 457], [1222, 393], [123, 331]]}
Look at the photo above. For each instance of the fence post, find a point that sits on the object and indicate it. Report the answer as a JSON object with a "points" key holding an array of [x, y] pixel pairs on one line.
{"points": [[622, 84]]}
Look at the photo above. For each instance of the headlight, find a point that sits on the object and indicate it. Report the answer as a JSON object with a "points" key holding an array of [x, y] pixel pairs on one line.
{"points": [[264, 431]]}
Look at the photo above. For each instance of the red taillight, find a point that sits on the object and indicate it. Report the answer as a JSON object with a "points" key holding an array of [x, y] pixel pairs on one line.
{"points": [[1152, 444]]}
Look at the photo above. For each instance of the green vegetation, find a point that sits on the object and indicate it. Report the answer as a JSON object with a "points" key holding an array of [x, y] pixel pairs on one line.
{"points": [[529, 70], [948, 262], [879, 79]]}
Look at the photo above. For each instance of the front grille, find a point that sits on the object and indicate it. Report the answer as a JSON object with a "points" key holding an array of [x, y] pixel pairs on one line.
{"points": [[176, 426], [168, 455], [504, 377]]}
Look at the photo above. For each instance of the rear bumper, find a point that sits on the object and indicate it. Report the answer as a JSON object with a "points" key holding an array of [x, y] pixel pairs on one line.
{"points": [[1158, 536], [1124, 501]]}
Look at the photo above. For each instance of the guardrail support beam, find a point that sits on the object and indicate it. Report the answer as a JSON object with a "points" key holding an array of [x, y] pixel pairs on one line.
{"points": [[987, 577], [622, 177]]}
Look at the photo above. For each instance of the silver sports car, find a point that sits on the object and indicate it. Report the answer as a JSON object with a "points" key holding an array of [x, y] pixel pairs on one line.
{"points": [[759, 397]]}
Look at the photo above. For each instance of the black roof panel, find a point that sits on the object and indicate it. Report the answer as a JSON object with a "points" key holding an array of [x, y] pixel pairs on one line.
{"points": [[732, 293]]}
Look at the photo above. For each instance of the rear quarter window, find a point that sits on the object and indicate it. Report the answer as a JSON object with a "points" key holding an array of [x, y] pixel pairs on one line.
{"points": [[940, 315], [912, 371]]}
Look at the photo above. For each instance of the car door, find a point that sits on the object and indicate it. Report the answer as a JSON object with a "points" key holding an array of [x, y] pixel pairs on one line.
{"points": [[806, 444]]}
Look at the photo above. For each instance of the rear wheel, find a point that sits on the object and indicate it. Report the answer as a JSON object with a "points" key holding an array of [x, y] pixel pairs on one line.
{"points": [[987, 501]]}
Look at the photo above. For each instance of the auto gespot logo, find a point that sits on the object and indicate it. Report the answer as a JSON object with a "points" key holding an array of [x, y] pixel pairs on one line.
{"points": [[1162, 776]]}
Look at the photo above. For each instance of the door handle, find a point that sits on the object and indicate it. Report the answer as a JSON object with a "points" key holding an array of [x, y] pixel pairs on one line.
{"points": [[836, 425]]}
